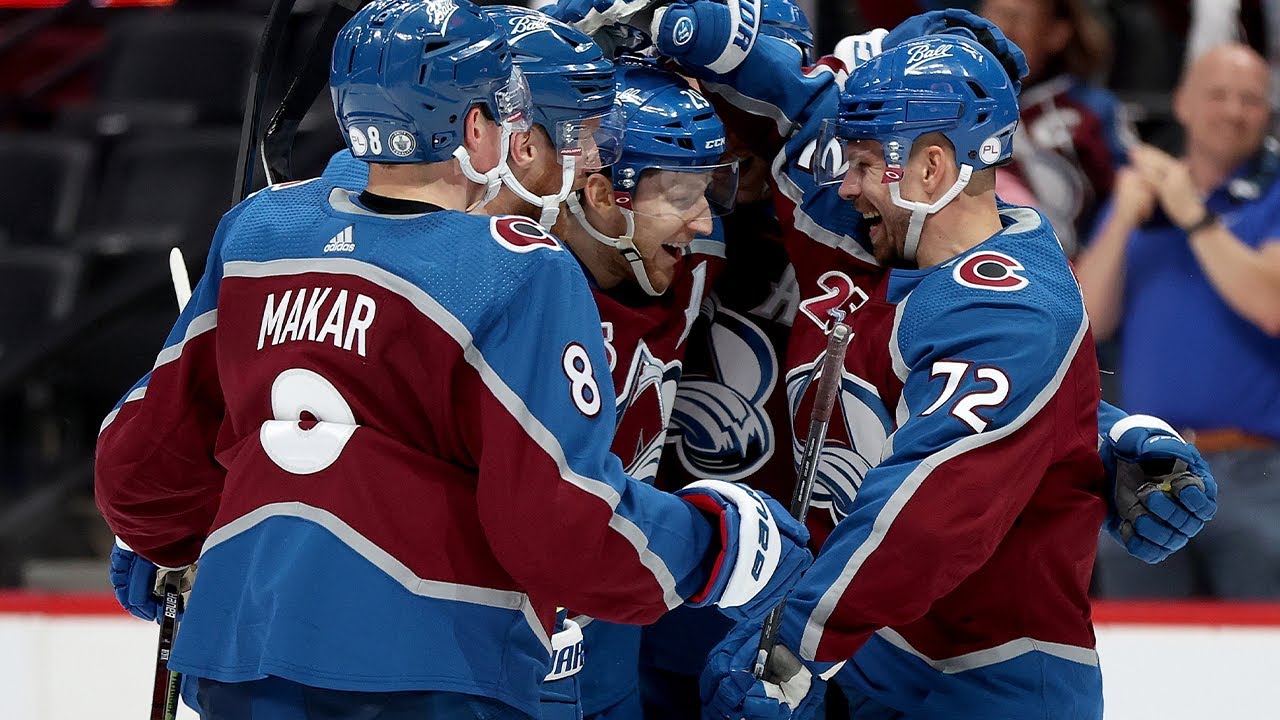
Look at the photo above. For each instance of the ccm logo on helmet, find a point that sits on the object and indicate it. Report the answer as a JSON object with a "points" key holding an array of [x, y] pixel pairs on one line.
{"points": [[522, 235], [990, 270]]}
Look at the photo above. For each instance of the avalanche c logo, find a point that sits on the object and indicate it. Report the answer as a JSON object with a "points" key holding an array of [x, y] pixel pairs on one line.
{"points": [[682, 33], [990, 270], [522, 235]]}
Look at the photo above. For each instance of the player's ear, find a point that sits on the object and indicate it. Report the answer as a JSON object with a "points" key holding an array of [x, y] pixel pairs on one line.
{"points": [[597, 194], [480, 136], [524, 151], [933, 174]]}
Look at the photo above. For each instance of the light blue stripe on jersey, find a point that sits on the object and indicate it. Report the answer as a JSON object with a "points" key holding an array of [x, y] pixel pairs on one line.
{"points": [[1024, 685], [288, 559]]}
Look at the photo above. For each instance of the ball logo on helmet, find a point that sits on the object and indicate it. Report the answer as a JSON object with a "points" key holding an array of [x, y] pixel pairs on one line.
{"points": [[359, 143], [990, 150], [523, 25], [682, 33], [923, 55], [403, 143]]}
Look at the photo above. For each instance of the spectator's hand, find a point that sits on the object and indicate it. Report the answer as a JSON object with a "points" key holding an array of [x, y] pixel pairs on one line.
{"points": [[1162, 492], [1133, 199], [1171, 181]]}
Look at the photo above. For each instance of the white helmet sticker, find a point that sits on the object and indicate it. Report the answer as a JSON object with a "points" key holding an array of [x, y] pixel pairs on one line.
{"points": [[359, 144], [989, 152]]}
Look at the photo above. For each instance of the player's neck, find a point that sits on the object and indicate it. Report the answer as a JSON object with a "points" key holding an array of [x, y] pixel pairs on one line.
{"points": [[960, 226], [441, 184], [605, 265]]}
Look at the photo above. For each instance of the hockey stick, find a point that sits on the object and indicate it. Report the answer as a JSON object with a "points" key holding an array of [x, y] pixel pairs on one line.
{"points": [[165, 693], [263, 60], [313, 77], [824, 400]]}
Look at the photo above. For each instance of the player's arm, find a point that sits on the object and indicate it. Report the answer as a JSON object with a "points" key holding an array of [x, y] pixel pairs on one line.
{"points": [[560, 514], [970, 451], [155, 477]]}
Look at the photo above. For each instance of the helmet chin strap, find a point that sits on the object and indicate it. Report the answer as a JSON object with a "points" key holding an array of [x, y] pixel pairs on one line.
{"points": [[920, 210], [550, 204], [625, 244], [492, 180]]}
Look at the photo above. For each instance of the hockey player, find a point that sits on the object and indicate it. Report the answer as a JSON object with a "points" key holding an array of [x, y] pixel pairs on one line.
{"points": [[971, 543], [380, 421], [641, 232]]}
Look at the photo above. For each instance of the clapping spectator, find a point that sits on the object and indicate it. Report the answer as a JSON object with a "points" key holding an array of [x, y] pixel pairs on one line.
{"points": [[1188, 256]]}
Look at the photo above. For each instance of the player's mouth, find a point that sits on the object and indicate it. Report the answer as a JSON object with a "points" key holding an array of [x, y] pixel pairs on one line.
{"points": [[676, 250]]}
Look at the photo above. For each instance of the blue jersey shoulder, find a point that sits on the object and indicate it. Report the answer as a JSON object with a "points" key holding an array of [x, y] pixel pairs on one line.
{"points": [[1016, 286]]}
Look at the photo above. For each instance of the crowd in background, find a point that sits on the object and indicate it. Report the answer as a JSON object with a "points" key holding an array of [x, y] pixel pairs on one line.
{"points": [[1144, 137]]}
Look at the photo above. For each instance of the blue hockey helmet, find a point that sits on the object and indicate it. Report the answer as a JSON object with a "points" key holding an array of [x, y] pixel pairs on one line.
{"points": [[785, 20], [571, 83], [570, 80], [405, 74], [944, 84], [671, 128], [672, 157], [939, 83]]}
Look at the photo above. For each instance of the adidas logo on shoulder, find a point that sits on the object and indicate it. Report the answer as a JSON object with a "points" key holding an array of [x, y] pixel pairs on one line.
{"points": [[342, 242]]}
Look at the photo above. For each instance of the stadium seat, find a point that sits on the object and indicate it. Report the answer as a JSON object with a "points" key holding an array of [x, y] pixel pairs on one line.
{"points": [[163, 189], [42, 187], [201, 60], [41, 282]]}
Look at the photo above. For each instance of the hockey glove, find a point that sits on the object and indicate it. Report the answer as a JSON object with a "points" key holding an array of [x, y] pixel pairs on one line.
{"points": [[134, 580], [1161, 490], [707, 34], [855, 50], [729, 690], [591, 15], [962, 22], [763, 549]]}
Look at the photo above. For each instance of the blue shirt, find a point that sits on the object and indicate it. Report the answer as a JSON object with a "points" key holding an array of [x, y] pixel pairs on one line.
{"points": [[1188, 357]]}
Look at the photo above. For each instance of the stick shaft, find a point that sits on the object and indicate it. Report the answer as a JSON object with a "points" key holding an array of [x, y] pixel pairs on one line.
{"points": [[832, 369]]}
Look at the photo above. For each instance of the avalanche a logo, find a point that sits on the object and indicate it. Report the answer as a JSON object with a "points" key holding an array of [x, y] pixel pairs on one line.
{"points": [[860, 427], [721, 429], [644, 411]]}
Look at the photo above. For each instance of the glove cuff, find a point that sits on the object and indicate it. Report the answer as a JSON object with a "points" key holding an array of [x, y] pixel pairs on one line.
{"points": [[1147, 422], [751, 543]]}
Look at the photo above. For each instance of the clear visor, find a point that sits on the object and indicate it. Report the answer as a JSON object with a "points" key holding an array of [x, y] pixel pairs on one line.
{"points": [[595, 141], [830, 162], [688, 192], [515, 103]]}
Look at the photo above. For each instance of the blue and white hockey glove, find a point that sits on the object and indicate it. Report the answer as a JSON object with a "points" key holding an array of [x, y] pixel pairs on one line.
{"points": [[729, 690], [1162, 492], [707, 34], [962, 22], [763, 549], [134, 581]]}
